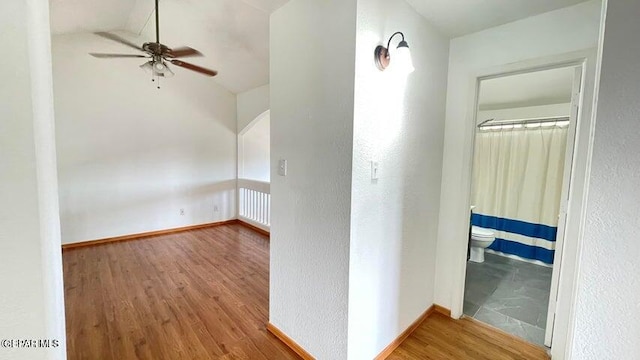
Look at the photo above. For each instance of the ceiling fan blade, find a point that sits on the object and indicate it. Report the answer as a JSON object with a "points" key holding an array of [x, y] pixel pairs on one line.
{"points": [[119, 39], [183, 51], [195, 68], [105, 56]]}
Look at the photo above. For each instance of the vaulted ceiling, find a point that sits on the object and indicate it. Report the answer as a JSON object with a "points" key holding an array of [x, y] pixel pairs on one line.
{"points": [[234, 34]]}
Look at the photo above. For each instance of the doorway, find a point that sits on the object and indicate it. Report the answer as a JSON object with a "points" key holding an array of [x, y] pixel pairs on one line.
{"points": [[524, 140]]}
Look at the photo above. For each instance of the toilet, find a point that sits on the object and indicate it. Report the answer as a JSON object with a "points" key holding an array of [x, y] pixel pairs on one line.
{"points": [[481, 239]]}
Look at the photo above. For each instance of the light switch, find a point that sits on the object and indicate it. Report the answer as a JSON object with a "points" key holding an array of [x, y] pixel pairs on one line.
{"points": [[282, 167], [374, 170]]}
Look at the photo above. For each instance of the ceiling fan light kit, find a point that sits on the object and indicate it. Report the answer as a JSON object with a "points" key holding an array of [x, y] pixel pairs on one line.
{"points": [[157, 68], [158, 54]]}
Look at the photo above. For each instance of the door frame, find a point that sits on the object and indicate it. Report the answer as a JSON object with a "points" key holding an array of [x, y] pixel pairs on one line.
{"points": [[570, 251], [576, 92]]}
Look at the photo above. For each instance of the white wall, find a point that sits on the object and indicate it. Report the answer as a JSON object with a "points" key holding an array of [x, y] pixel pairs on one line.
{"points": [[130, 156], [31, 304], [254, 127], [552, 33], [398, 122], [251, 104], [312, 84], [607, 323], [254, 150]]}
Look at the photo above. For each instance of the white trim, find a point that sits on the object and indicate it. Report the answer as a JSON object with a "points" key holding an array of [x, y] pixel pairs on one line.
{"points": [[261, 186], [567, 278], [576, 106], [565, 352]]}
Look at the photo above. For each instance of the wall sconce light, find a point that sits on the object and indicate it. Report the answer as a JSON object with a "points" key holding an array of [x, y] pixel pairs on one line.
{"points": [[401, 57]]}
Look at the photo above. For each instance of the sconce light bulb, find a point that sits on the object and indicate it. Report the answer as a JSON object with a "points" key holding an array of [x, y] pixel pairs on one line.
{"points": [[402, 58]]}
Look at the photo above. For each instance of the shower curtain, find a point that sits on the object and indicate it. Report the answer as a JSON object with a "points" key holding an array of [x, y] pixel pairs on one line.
{"points": [[517, 184]]}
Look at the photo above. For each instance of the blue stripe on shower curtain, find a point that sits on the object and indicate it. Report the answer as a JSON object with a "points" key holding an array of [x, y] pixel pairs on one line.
{"points": [[523, 250], [524, 228], [515, 226]]}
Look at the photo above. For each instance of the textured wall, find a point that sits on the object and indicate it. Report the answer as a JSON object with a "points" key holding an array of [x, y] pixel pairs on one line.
{"points": [[250, 104], [607, 324], [398, 122], [312, 80], [130, 156], [254, 151], [31, 299]]}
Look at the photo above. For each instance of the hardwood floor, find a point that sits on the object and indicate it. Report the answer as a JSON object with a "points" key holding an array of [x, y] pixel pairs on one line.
{"points": [[201, 294], [441, 338]]}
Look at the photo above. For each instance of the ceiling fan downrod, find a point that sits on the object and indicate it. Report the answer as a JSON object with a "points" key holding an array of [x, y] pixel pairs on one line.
{"points": [[157, 24]]}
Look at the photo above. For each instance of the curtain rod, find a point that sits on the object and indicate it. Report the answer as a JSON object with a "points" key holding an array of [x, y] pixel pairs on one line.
{"points": [[494, 122]]}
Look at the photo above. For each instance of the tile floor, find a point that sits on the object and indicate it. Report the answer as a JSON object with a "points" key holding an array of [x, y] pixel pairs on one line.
{"points": [[509, 294]]}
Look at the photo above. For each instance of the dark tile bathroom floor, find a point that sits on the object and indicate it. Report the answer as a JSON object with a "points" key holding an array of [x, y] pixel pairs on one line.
{"points": [[509, 294]]}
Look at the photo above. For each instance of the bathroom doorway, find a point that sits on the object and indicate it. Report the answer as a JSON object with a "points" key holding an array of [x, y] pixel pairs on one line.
{"points": [[524, 141]]}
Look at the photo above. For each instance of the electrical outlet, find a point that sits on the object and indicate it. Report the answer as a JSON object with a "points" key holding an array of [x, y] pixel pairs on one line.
{"points": [[181, 212]]}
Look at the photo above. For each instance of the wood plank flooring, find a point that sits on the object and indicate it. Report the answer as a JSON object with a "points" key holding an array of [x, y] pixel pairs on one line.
{"points": [[441, 338], [203, 294], [200, 294]]}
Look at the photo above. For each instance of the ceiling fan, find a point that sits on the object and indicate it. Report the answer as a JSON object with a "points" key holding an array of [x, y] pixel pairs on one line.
{"points": [[157, 53]]}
